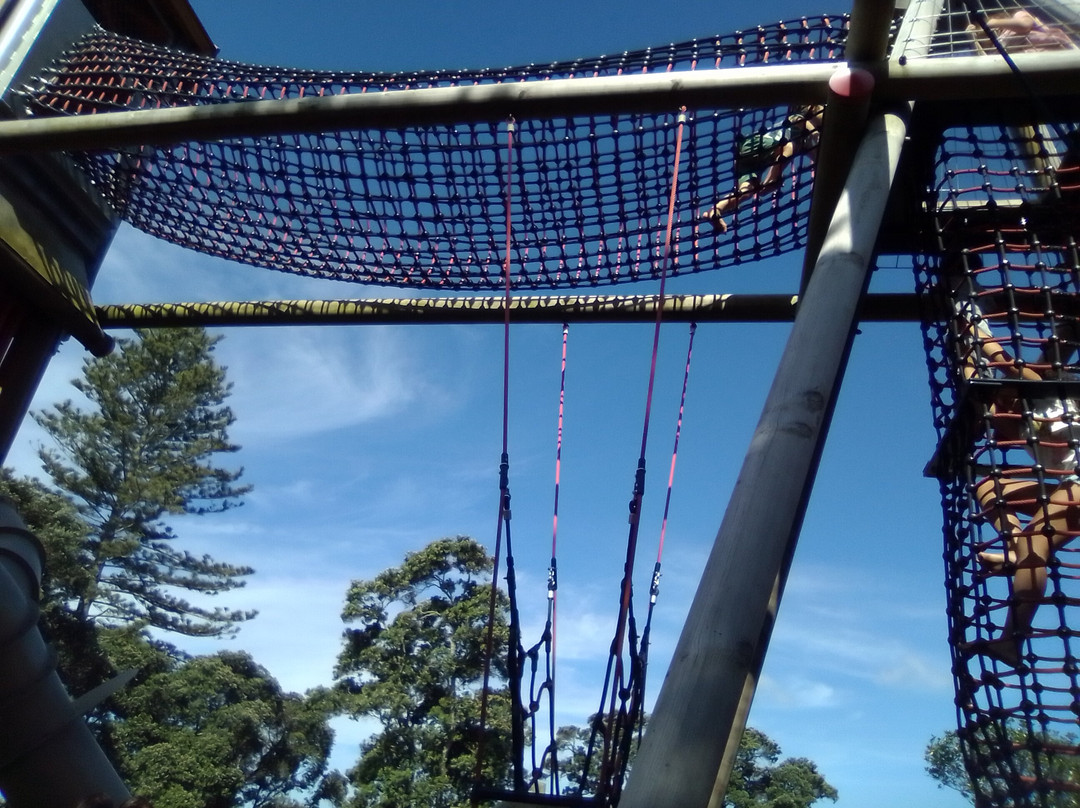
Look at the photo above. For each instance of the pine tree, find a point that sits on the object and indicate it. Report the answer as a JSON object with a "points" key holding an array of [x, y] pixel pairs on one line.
{"points": [[144, 453]]}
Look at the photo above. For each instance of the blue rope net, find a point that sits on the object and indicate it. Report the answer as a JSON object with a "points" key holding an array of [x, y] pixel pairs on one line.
{"points": [[1005, 382], [423, 206]]}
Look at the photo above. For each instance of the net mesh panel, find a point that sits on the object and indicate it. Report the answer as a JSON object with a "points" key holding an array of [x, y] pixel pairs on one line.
{"points": [[424, 206], [952, 34], [1004, 368]]}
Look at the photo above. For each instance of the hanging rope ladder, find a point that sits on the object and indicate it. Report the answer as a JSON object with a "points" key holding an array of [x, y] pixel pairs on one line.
{"points": [[1004, 382], [622, 699]]}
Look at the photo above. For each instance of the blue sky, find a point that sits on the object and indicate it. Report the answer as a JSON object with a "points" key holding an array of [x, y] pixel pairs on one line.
{"points": [[366, 442]]}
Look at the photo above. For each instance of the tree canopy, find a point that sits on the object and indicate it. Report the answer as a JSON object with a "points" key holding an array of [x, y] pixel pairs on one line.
{"points": [[761, 780], [413, 660], [944, 758], [214, 731], [144, 452]]}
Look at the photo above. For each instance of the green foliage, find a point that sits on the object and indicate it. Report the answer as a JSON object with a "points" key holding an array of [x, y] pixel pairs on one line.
{"points": [[144, 453], [945, 763], [63, 533], [214, 731], [1050, 758], [572, 744], [758, 780], [414, 662], [217, 731]]}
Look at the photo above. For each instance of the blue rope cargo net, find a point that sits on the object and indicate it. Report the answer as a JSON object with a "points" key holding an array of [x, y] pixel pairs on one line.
{"points": [[1005, 382], [416, 207]]}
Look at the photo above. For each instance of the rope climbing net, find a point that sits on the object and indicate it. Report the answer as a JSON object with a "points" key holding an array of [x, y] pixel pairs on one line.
{"points": [[417, 206], [1005, 280], [954, 31]]}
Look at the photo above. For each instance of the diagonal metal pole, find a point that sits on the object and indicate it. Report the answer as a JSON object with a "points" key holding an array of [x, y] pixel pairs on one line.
{"points": [[716, 659]]}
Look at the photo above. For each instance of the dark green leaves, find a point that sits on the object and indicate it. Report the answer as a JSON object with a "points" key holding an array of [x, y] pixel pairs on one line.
{"points": [[413, 661]]}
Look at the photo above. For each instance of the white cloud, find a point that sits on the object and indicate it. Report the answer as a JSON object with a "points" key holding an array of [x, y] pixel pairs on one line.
{"points": [[302, 381], [298, 629], [820, 626], [797, 692]]}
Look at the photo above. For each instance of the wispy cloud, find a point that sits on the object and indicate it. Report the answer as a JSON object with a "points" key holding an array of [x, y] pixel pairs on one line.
{"points": [[307, 381], [819, 627], [797, 692]]}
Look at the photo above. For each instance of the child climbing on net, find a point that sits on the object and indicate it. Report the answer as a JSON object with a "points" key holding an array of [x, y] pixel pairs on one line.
{"points": [[1018, 32], [761, 157], [1035, 510]]}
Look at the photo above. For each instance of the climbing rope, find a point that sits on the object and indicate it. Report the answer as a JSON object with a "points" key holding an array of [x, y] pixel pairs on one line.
{"points": [[503, 525], [611, 722], [550, 755], [636, 708]]}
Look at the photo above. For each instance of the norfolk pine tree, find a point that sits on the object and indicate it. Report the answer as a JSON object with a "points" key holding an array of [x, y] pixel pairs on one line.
{"points": [[188, 732], [144, 452]]}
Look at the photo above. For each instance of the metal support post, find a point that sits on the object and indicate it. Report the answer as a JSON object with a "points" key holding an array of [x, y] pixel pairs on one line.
{"points": [[715, 662]]}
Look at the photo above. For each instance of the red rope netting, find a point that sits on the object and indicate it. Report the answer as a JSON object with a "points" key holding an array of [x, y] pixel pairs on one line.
{"points": [[1004, 364]]}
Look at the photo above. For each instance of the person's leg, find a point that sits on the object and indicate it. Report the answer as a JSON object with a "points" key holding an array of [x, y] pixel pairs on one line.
{"points": [[1019, 24], [1001, 500], [1063, 514], [715, 216], [1028, 554], [775, 173]]}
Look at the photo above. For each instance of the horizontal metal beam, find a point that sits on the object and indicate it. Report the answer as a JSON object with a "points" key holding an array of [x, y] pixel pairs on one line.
{"points": [[421, 107], [953, 78], [488, 309]]}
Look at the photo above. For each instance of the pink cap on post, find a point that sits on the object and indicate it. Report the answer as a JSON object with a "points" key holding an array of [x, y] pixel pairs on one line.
{"points": [[851, 84]]}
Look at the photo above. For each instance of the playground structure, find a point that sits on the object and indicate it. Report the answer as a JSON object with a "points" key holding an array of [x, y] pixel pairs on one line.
{"points": [[391, 180]]}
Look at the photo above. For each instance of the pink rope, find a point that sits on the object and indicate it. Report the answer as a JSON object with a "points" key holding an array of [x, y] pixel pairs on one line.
{"points": [[663, 277], [631, 549], [616, 656], [675, 450], [552, 572], [506, 275]]}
